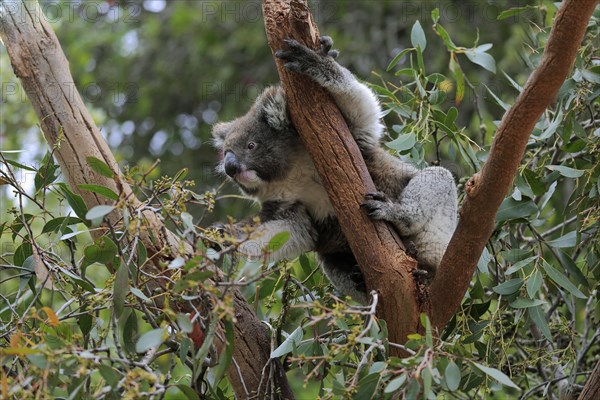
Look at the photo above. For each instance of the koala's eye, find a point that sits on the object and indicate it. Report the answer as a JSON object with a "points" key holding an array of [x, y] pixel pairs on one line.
{"points": [[251, 145]]}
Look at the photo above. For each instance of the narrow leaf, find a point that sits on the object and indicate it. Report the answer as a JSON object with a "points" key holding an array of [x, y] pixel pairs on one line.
{"points": [[562, 281], [534, 283], [289, 343], [100, 167], [497, 375], [509, 287], [539, 319]]}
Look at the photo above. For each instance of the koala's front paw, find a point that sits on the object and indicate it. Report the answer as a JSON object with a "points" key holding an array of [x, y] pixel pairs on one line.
{"points": [[297, 57], [319, 65], [377, 205]]}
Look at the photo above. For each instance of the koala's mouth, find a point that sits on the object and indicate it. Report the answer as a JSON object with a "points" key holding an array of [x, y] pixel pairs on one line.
{"points": [[248, 178]]}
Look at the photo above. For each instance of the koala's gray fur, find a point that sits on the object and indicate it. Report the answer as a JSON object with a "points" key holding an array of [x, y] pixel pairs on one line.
{"points": [[264, 155]]}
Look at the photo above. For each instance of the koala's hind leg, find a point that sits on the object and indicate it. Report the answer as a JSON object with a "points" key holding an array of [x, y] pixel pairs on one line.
{"points": [[425, 213], [355, 100]]}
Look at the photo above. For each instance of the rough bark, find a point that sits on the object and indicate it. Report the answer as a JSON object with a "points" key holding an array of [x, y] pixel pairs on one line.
{"points": [[591, 390], [38, 60], [487, 189], [387, 269]]}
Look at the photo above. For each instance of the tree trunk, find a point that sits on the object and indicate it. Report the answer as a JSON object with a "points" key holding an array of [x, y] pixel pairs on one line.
{"points": [[385, 266], [591, 390], [38, 60]]}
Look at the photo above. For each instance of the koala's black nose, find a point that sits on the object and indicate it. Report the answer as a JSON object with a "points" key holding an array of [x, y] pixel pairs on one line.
{"points": [[231, 164]]}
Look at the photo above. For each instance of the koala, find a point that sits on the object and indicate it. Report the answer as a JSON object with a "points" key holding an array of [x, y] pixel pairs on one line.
{"points": [[263, 154]]}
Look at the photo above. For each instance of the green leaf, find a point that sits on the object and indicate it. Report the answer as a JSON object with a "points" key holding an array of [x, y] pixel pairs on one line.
{"points": [[549, 131], [452, 376], [22, 253], [47, 173], [289, 343], [509, 287], [140, 295], [85, 323], [101, 190], [74, 200], [19, 165], [403, 142], [103, 251], [367, 386], [55, 224], [100, 167], [120, 289], [98, 212], [184, 323], [227, 354], [397, 58], [518, 265], [566, 171], [277, 241], [189, 393], [417, 36], [111, 376], [459, 77], [439, 29], [534, 283], [539, 319], [150, 339], [427, 325], [511, 209], [573, 270], [512, 12], [479, 57], [567, 240], [395, 384], [562, 281], [497, 375], [521, 302], [413, 389], [435, 78]]}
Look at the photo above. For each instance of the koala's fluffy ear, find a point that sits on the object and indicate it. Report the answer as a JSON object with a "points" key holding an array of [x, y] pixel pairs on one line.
{"points": [[219, 131], [274, 108]]}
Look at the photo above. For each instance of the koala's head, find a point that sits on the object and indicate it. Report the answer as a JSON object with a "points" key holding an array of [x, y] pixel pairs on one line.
{"points": [[259, 147]]}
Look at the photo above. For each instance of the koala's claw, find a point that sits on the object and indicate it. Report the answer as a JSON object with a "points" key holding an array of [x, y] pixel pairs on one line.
{"points": [[378, 196], [326, 44]]}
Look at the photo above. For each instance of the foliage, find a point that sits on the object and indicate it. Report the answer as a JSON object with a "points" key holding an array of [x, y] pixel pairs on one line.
{"points": [[83, 318]]}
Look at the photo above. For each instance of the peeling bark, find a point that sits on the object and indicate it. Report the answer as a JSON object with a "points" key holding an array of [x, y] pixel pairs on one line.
{"points": [[591, 390]]}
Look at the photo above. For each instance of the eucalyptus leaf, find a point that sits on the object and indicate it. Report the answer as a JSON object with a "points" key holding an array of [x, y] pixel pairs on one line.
{"points": [[289, 343], [497, 375], [561, 280]]}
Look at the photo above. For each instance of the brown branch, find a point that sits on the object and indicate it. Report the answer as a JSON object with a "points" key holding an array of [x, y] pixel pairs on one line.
{"points": [[591, 390], [487, 189], [342, 169], [38, 60]]}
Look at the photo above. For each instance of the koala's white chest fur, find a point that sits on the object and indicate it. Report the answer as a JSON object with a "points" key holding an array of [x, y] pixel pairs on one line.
{"points": [[301, 184]]}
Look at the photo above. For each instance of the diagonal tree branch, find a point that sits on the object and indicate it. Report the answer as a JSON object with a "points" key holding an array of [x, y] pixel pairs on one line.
{"points": [[38, 60], [487, 189], [342, 169]]}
